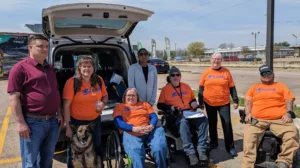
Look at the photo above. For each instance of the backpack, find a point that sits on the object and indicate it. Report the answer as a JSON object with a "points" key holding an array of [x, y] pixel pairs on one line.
{"points": [[77, 80]]}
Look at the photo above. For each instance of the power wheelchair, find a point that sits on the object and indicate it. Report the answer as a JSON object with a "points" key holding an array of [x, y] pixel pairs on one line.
{"points": [[174, 141], [268, 149]]}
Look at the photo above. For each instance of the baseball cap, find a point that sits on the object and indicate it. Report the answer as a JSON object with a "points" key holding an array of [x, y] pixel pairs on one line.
{"points": [[265, 68], [173, 70]]}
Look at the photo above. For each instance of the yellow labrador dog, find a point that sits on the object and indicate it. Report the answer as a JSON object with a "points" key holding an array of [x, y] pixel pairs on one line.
{"points": [[82, 149]]}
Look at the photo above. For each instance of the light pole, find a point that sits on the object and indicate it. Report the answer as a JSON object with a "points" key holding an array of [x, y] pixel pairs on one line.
{"points": [[255, 34], [175, 51], [296, 38]]}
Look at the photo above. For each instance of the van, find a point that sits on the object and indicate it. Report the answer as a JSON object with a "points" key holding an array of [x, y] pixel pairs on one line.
{"points": [[98, 30]]}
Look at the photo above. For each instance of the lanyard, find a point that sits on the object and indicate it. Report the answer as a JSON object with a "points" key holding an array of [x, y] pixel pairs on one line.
{"points": [[179, 94]]}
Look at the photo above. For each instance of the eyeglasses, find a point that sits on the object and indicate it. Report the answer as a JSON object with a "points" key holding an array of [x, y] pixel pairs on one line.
{"points": [[266, 73], [217, 59], [143, 53], [173, 75], [131, 95]]}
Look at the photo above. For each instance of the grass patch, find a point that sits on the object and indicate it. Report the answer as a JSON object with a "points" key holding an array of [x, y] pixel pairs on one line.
{"points": [[297, 111]]}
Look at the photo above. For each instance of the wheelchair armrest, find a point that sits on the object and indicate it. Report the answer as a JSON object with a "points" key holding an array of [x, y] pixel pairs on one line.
{"points": [[160, 112], [242, 116]]}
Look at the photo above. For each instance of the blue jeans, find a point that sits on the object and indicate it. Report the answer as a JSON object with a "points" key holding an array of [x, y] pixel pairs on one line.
{"points": [[96, 137], [38, 150], [201, 126], [135, 149]]}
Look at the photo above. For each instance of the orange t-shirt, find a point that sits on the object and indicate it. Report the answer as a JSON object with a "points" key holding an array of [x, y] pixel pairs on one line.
{"points": [[83, 106], [217, 84], [170, 96], [137, 115], [268, 101]]}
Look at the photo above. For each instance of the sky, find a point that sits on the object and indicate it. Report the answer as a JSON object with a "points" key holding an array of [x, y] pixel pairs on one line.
{"points": [[183, 21]]}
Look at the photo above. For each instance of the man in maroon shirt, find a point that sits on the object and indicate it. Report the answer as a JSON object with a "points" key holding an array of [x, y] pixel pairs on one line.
{"points": [[35, 102]]}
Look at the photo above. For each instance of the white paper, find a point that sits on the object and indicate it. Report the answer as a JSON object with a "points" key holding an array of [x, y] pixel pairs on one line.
{"points": [[116, 79], [192, 114]]}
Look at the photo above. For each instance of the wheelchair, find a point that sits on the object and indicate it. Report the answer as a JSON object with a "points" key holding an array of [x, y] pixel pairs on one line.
{"points": [[268, 148], [116, 156], [174, 141]]}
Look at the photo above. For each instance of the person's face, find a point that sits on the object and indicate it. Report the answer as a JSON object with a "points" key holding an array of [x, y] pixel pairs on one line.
{"points": [[131, 97], [86, 69], [216, 61], [267, 77], [39, 49], [175, 78], [143, 56]]}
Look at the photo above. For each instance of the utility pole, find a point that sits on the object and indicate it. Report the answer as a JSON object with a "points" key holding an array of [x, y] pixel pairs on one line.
{"points": [[255, 34], [270, 32], [175, 51], [296, 38]]}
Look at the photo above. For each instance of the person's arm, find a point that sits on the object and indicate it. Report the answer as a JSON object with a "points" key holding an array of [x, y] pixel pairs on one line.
{"points": [[15, 104], [200, 96], [154, 91], [121, 124], [234, 95], [67, 107], [104, 99], [289, 104], [248, 108], [131, 73], [153, 119]]}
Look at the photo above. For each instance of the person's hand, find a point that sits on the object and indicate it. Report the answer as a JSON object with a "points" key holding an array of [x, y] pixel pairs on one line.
{"points": [[287, 118], [148, 128], [23, 130], [140, 129], [235, 106], [99, 106], [68, 131], [60, 120], [248, 118], [194, 104]]}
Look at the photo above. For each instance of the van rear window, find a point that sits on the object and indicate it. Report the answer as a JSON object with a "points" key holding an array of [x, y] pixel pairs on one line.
{"points": [[89, 23]]}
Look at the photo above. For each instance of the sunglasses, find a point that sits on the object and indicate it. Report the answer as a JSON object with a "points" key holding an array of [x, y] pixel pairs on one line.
{"points": [[266, 73], [173, 75], [143, 53]]}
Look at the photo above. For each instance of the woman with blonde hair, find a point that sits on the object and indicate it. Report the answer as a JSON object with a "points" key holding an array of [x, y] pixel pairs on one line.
{"points": [[84, 103]]}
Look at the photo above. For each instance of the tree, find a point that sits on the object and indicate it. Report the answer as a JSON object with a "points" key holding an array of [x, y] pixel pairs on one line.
{"points": [[223, 46], [245, 50], [283, 44], [196, 49]]}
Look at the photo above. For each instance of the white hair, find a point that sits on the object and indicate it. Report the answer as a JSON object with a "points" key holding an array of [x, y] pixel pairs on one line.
{"points": [[217, 54]]}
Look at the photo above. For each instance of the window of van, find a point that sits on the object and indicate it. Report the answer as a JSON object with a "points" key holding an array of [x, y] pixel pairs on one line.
{"points": [[96, 23]]}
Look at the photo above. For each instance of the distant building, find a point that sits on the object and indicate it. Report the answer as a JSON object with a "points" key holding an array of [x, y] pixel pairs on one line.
{"points": [[260, 52], [296, 51]]}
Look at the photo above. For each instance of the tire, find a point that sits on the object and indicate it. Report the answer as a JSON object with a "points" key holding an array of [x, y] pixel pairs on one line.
{"points": [[113, 152]]}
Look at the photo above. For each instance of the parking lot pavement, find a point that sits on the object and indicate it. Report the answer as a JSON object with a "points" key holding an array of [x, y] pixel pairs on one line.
{"points": [[9, 140]]}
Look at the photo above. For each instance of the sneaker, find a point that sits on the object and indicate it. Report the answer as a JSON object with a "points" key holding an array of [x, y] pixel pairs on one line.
{"points": [[232, 152], [202, 156], [193, 159], [282, 165]]}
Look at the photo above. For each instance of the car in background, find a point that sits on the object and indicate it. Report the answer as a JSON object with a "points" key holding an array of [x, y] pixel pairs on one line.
{"points": [[230, 58], [250, 58], [162, 66]]}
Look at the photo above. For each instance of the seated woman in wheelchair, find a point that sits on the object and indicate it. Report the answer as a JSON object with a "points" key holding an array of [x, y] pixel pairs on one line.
{"points": [[138, 122], [269, 104], [175, 97]]}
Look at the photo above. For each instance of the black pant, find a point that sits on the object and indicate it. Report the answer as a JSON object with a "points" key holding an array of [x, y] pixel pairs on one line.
{"points": [[224, 112]]}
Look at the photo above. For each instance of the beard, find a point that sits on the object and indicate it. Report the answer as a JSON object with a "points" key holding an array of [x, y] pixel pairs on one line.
{"points": [[268, 82]]}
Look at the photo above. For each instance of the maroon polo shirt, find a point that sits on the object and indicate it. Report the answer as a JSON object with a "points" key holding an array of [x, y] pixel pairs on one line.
{"points": [[37, 85]]}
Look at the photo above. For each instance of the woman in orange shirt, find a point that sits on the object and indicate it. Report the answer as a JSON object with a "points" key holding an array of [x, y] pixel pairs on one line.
{"points": [[138, 120], [85, 105], [216, 86]]}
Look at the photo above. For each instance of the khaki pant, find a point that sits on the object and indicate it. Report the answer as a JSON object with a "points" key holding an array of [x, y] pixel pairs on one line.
{"points": [[253, 133]]}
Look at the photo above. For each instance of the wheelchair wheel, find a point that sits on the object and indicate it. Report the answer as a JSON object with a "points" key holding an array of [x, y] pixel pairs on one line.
{"points": [[114, 151]]}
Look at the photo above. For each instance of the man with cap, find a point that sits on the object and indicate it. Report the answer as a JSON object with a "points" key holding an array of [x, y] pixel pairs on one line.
{"points": [[175, 97], [269, 104]]}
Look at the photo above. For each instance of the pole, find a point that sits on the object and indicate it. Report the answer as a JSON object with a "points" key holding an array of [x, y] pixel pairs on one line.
{"points": [[296, 39], [255, 46], [270, 32], [175, 51]]}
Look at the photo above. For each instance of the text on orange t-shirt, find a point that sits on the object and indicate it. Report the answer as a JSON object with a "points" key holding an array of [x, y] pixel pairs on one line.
{"points": [[217, 84], [137, 115], [268, 101], [170, 96], [83, 106]]}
